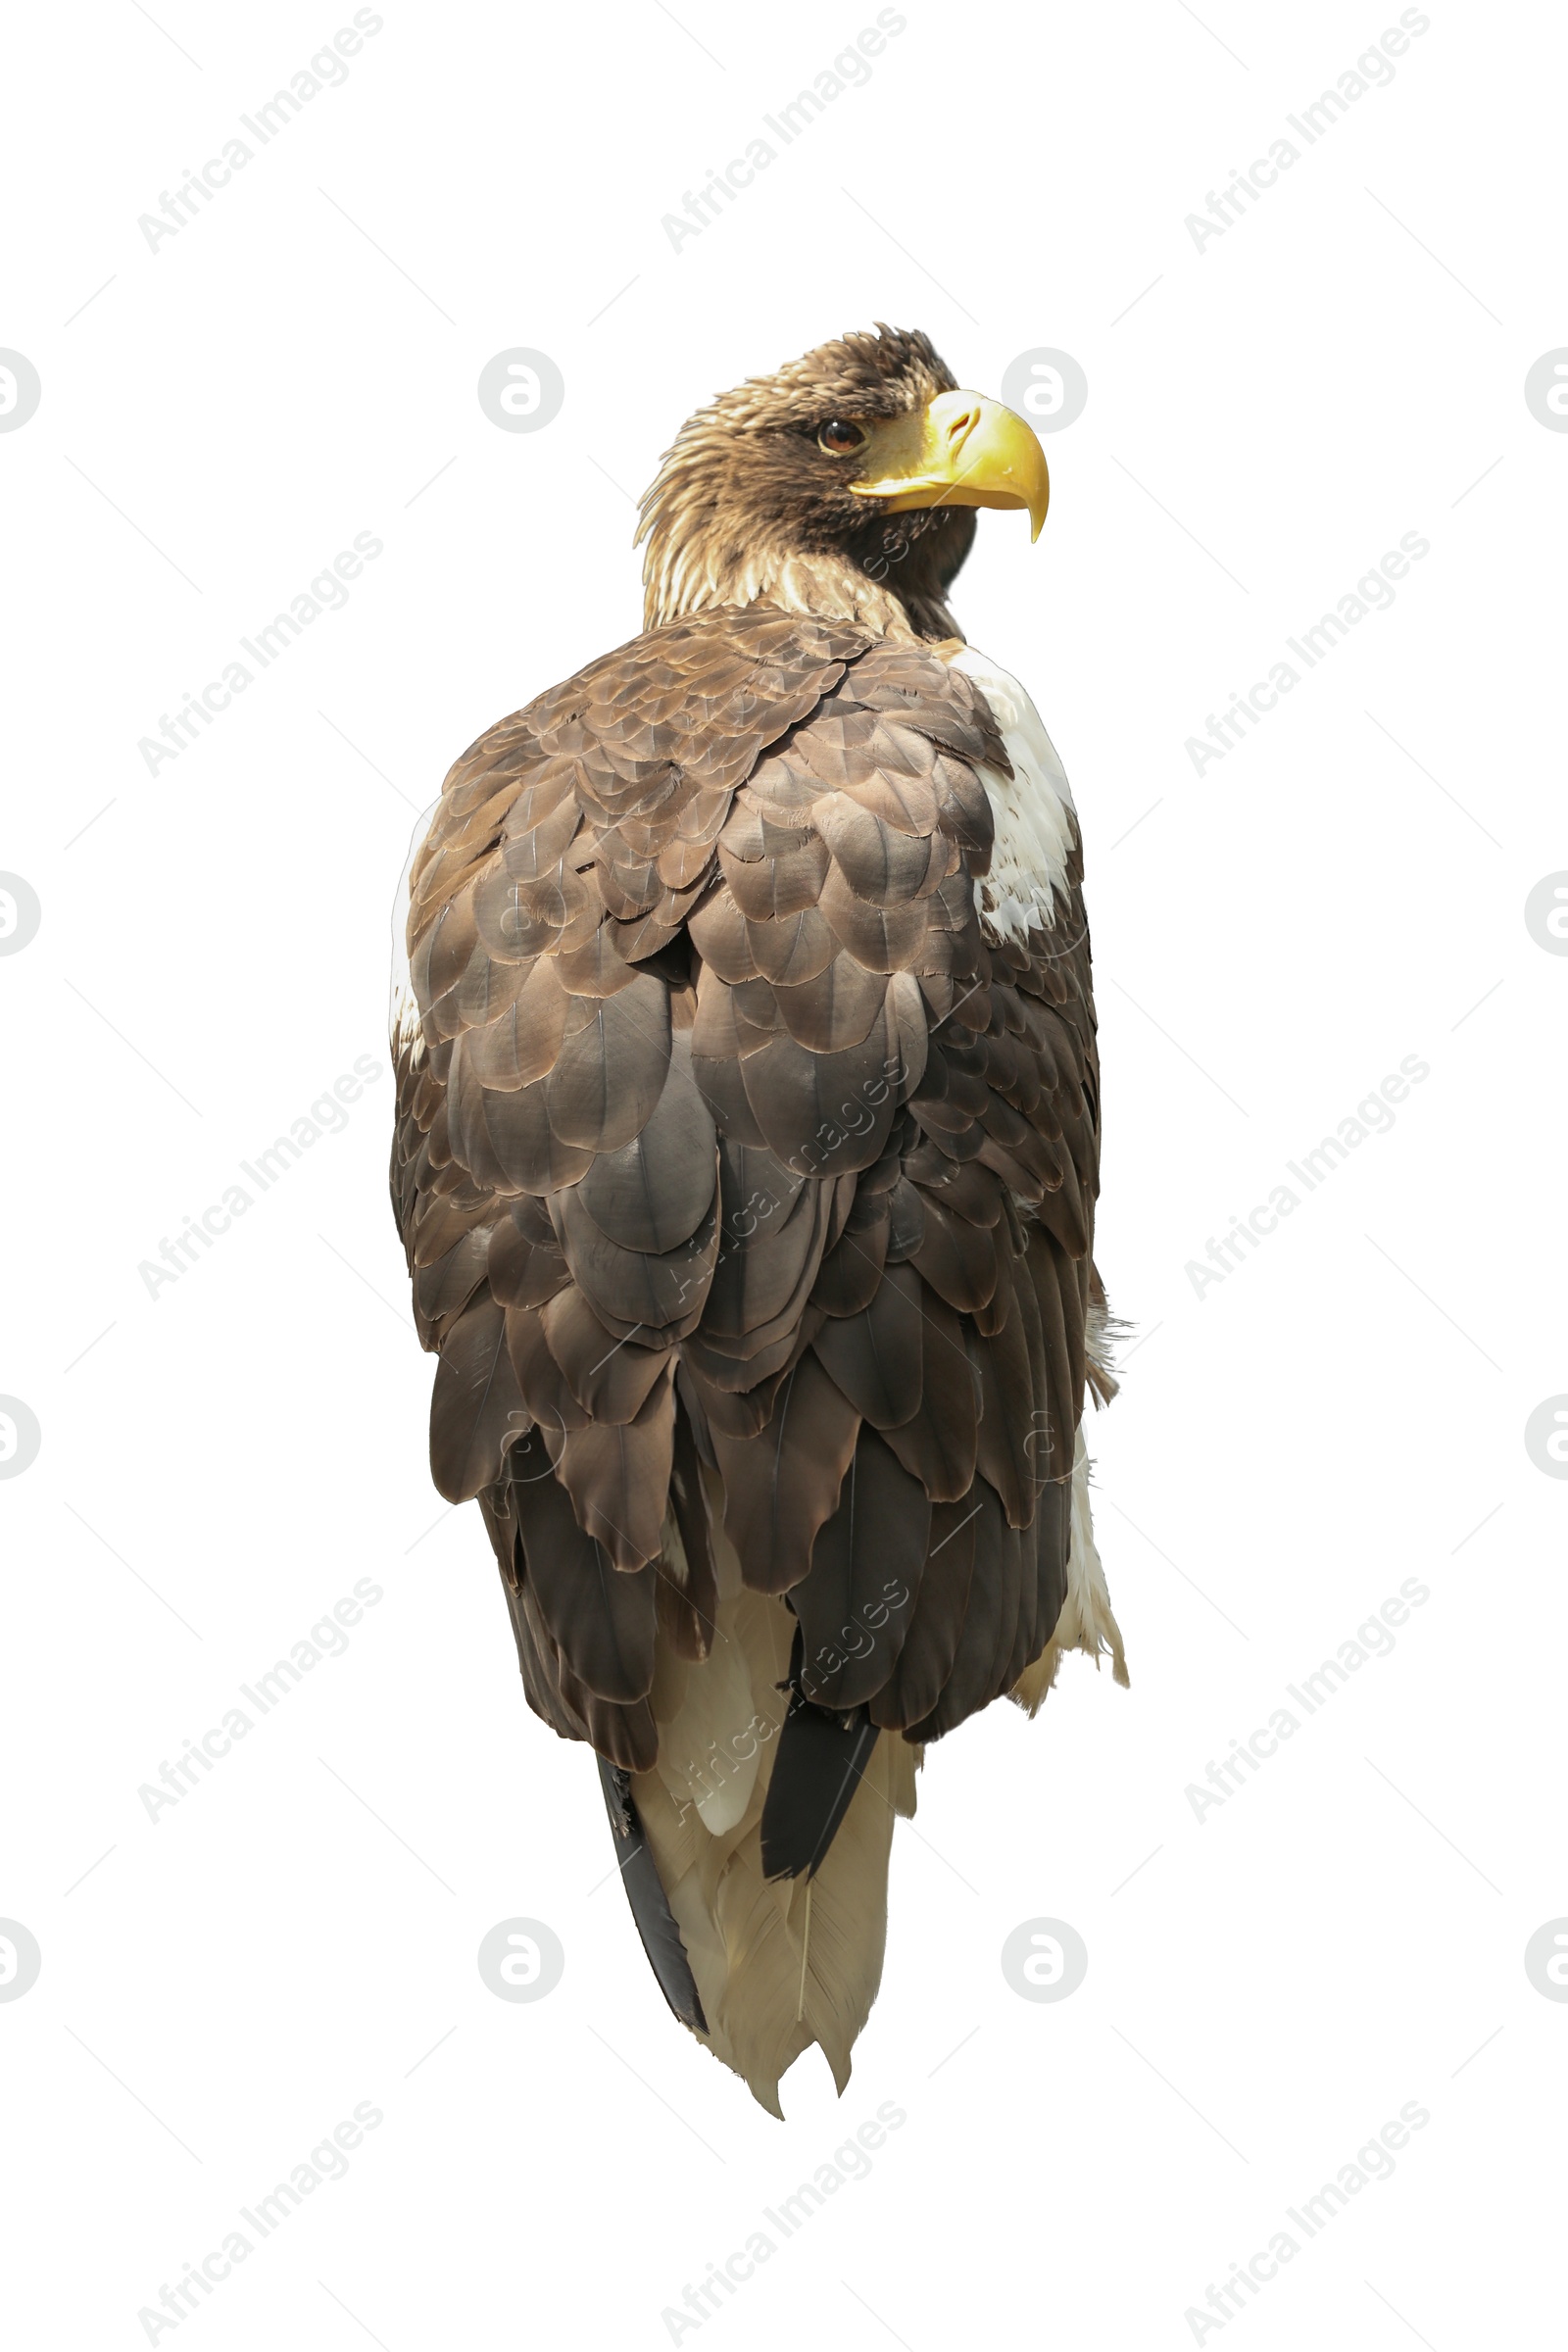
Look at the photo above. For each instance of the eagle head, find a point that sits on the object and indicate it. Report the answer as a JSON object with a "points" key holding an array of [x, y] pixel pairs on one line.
{"points": [[843, 485]]}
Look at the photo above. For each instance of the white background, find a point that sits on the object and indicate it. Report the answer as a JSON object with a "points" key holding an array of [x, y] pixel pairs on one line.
{"points": [[220, 1463]]}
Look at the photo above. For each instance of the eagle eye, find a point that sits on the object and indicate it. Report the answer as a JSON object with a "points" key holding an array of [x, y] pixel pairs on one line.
{"points": [[838, 436]]}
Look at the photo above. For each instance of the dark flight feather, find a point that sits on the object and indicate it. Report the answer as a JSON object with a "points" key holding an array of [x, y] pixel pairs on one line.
{"points": [[600, 1617], [649, 1905], [820, 1763], [856, 1605]]}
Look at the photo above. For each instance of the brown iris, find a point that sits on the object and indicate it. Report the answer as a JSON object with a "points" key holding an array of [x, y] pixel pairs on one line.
{"points": [[838, 437]]}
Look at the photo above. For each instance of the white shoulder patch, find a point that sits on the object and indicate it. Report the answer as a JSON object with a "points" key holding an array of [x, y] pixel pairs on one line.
{"points": [[403, 1013], [1032, 808]]}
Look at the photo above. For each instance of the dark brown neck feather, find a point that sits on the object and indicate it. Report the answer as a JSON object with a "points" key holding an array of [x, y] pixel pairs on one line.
{"points": [[892, 575]]}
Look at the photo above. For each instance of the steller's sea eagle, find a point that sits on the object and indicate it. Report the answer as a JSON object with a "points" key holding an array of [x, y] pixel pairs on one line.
{"points": [[745, 1161]]}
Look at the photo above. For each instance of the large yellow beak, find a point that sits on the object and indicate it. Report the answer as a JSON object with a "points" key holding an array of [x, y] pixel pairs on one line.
{"points": [[961, 451]]}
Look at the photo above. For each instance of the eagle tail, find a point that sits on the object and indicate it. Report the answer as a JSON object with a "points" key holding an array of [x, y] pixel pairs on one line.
{"points": [[777, 1962]]}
